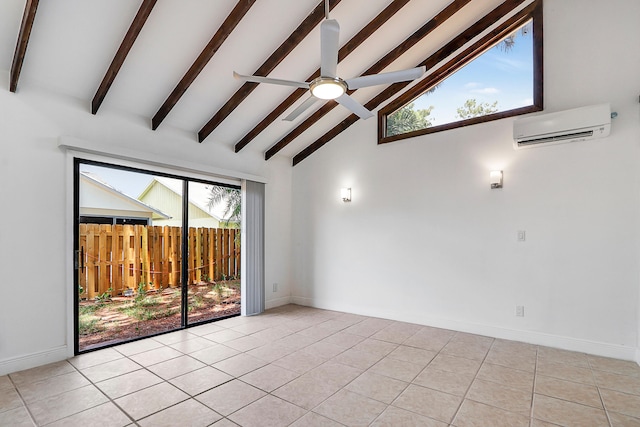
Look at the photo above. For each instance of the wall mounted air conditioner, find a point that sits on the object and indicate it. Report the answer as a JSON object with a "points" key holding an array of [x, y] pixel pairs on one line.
{"points": [[579, 124]]}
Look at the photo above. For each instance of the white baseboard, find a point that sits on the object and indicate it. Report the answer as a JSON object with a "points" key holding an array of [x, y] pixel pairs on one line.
{"points": [[277, 302], [33, 360], [532, 337]]}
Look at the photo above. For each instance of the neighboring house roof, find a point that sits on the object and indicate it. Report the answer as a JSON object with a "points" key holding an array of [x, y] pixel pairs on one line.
{"points": [[198, 196], [96, 180]]}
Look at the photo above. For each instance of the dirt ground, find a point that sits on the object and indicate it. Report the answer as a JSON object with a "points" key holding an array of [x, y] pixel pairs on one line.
{"points": [[123, 318]]}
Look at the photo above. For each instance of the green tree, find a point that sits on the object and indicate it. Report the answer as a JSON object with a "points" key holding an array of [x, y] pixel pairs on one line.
{"points": [[232, 199], [408, 119], [472, 109]]}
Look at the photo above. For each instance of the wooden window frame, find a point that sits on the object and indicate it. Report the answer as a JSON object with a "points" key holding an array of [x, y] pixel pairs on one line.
{"points": [[464, 58]]}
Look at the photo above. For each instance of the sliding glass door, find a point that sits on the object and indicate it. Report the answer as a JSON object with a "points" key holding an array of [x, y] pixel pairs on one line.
{"points": [[154, 253]]}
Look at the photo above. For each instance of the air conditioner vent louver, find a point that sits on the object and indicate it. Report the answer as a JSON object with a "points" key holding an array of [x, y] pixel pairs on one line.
{"points": [[580, 124]]}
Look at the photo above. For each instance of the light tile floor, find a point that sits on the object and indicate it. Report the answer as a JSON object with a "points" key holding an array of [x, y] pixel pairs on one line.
{"points": [[301, 366]]}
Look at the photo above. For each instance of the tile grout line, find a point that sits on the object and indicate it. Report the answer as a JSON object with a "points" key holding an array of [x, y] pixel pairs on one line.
{"points": [[24, 402]]}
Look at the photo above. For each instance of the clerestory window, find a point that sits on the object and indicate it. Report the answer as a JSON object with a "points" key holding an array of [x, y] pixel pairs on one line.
{"points": [[498, 76]]}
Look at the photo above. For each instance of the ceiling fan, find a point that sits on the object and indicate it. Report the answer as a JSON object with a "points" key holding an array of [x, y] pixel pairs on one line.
{"points": [[329, 85]]}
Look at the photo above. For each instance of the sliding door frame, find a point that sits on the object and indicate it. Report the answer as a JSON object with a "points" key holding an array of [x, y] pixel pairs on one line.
{"points": [[184, 275]]}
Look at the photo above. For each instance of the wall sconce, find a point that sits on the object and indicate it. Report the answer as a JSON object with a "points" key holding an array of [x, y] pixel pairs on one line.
{"points": [[495, 178], [345, 193]]}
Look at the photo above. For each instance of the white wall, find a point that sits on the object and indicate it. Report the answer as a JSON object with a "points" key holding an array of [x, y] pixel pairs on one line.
{"points": [[34, 314], [426, 240]]}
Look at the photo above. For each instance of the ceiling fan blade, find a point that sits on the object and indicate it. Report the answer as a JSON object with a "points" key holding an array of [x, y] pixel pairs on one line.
{"points": [[354, 106], [386, 78], [258, 79], [329, 39], [301, 108]]}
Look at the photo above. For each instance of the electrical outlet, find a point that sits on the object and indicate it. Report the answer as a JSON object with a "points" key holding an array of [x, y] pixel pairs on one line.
{"points": [[275, 287], [520, 310], [522, 236]]}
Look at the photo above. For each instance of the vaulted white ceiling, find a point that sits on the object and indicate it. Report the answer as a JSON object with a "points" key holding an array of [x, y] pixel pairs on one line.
{"points": [[73, 42]]}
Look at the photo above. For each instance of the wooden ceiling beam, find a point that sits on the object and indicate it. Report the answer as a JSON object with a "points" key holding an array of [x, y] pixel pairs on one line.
{"points": [[28, 17], [127, 43], [442, 54], [348, 47], [387, 60], [309, 23], [229, 24]]}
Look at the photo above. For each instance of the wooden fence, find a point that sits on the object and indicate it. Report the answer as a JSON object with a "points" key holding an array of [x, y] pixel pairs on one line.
{"points": [[123, 256]]}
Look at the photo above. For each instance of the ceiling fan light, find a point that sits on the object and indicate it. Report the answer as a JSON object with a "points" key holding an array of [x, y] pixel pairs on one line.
{"points": [[328, 88]]}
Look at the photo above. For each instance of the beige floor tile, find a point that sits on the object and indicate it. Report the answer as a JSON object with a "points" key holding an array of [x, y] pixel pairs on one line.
{"points": [[466, 350], [229, 397], [306, 392], [268, 411], [270, 352], [41, 372], [192, 345], [566, 372], [300, 361], [39, 390], [135, 347], [350, 408], [512, 359], [201, 380], [396, 332], [17, 417], [316, 332], [379, 348], [540, 423], [515, 378], [224, 423], [250, 328], [63, 405], [398, 369], [95, 358], [335, 373], [623, 383], [271, 334], [269, 377], [174, 337], [377, 387], [567, 413], [9, 399], [128, 383], [555, 355], [616, 366], [623, 403], [324, 349], [619, 420], [110, 369], [315, 420], [501, 396], [412, 354], [296, 341], [188, 413], [448, 382], [245, 343], [368, 327], [343, 340], [150, 400], [394, 417], [357, 358], [206, 329], [223, 336], [240, 364], [105, 415], [213, 354], [455, 364], [474, 414], [430, 403], [157, 355], [176, 367], [515, 347], [5, 382], [427, 340], [567, 390]]}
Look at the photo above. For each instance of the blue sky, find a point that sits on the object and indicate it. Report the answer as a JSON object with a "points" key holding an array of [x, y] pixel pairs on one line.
{"points": [[506, 77]]}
